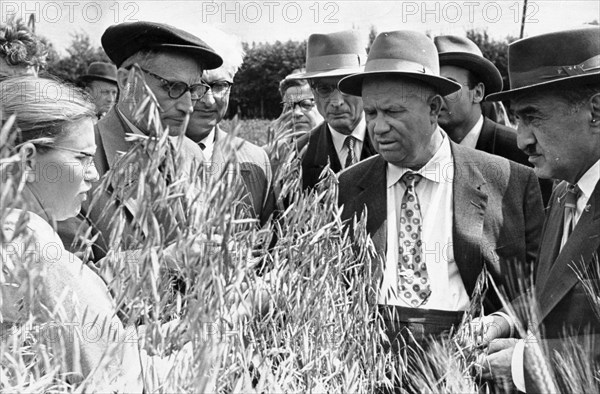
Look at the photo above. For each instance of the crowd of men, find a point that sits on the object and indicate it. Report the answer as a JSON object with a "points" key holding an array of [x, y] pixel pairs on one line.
{"points": [[404, 128]]}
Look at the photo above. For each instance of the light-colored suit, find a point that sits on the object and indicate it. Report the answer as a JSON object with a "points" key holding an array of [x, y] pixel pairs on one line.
{"points": [[497, 219], [254, 167]]}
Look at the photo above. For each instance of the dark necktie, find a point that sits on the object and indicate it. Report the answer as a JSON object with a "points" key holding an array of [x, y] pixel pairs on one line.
{"points": [[201, 145], [413, 280], [349, 143], [571, 197]]}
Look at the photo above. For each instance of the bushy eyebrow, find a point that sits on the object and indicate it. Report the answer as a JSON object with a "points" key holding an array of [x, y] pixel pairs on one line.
{"points": [[528, 110]]}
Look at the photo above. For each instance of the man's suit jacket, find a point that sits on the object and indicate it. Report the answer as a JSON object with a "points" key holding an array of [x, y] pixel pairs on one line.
{"points": [[321, 151], [502, 141], [254, 167], [110, 145], [562, 300], [498, 213]]}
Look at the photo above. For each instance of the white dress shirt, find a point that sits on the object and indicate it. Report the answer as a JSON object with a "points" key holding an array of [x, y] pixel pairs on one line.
{"points": [[209, 144], [587, 183], [434, 192], [470, 140], [359, 133]]}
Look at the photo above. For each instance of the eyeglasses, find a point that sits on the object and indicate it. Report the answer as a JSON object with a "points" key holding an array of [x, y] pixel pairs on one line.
{"points": [[176, 89], [219, 88], [324, 90], [305, 105]]}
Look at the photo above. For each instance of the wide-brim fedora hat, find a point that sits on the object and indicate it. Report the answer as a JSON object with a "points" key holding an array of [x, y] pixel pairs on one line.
{"points": [[121, 41], [462, 52], [404, 53], [559, 59], [101, 71], [335, 54]]}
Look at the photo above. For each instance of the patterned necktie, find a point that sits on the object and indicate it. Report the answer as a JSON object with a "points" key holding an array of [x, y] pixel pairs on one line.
{"points": [[349, 143], [571, 197], [414, 285]]}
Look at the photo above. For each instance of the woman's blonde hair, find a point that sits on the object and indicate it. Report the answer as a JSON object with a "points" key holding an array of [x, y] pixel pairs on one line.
{"points": [[42, 108]]}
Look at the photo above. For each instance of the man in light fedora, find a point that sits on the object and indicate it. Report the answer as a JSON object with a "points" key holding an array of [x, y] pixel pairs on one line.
{"points": [[555, 92], [341, 140], [101, 83], [461, 115], [437, 212]]}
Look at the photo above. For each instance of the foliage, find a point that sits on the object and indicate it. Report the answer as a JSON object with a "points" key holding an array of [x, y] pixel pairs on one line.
{"points": [[493, 50], [81, 54], [255, 93]]}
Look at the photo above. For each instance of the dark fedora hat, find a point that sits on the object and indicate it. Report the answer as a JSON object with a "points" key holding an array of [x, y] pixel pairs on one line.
{"points": [[334, 54], [566, 58], [100, 71], [462, 52], [123, 40], [404, 53]]}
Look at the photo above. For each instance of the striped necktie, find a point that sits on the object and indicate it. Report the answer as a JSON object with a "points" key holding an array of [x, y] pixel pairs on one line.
{"points": [[349, 143]]}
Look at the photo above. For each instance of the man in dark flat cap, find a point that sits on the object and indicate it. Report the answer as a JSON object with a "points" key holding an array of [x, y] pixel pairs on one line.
{"points": [[437, 212], [101, 83], [171, 62], [461, 114], [342, 139], [555, 92]]}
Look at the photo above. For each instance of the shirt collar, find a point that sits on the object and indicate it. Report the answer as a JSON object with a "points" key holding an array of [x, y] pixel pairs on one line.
{"points": [[359, 133], [472, 136], [587, 183], [436, 167], [209, 140]]}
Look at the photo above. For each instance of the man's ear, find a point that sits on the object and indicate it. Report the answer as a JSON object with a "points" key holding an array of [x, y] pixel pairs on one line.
{"points": [[122, 78], [435, 106], [595, 112], [478, 93]]}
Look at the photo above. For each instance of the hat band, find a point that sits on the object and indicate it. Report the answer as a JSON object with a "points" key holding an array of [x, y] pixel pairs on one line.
{"points": [[519, 79], [397, 65], [332, 62]]}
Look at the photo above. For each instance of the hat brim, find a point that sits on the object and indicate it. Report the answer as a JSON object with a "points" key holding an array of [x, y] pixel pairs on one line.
{"points": [[323, 74], [353, 84], [485, 70], [92, 77], [572, 81]]}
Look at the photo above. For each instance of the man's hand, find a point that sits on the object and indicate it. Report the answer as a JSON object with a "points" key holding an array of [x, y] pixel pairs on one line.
{"points": [[484, 330], [496, 365]]}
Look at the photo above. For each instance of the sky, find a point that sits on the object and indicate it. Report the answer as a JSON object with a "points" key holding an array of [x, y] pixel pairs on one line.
{"points": [[269, 21]]}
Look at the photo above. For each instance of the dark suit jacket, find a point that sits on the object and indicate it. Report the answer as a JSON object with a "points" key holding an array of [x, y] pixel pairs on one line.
{"points": [[254, 167], [502, 141], [561, 298], [321, 151], [498, 213]]}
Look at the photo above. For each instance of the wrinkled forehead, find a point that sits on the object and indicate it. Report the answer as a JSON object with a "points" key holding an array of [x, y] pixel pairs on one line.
{"points": [[297, 93], [219, 74]]}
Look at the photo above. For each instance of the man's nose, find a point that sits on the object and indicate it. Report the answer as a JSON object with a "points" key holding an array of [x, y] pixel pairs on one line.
{"points": [[525, 137]]}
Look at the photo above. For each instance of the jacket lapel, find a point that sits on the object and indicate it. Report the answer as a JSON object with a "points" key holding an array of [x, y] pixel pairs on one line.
{"points": [[582, 243], [469, 203], [112, 130], [487, 137], [372, 193], [552, 234]]}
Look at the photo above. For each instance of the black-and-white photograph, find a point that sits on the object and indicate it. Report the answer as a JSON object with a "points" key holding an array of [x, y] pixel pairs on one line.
{"points": [[300, 196]]}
